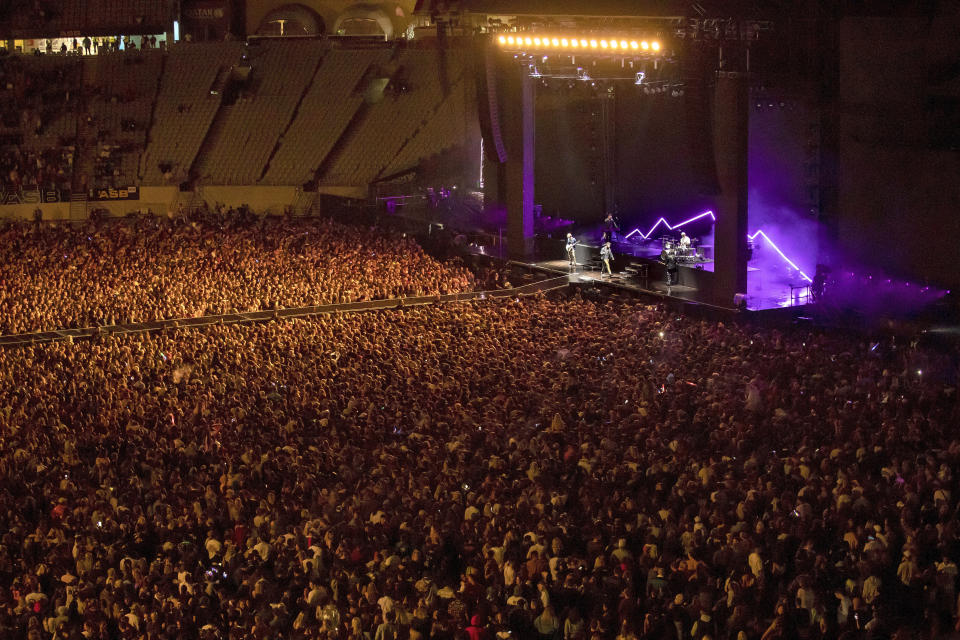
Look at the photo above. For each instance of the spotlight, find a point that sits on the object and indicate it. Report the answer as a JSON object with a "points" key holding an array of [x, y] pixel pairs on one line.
{"points": [[528, 41], [510, 39], [536, 41], [614, 44], [634, 44], [574, 43], [593, 44], [555, 42], [644, 45], [623, 44], [603, 44], [583, 43], [655, 45], [503, 40], [564, 42]]}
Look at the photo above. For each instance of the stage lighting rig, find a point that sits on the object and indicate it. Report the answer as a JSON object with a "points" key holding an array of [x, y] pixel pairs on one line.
{"points": [[613, 44]]}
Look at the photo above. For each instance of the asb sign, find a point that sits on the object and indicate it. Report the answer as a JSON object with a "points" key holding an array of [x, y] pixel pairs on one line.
{"points": [[109, 194], [13, 195]]}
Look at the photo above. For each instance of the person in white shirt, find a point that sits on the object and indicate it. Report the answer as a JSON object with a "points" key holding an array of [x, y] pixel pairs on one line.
{"points": [[571, 249]]}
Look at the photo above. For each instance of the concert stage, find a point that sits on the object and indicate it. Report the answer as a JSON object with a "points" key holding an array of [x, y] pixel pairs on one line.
{"points": [[636, 267], [630, 281]]}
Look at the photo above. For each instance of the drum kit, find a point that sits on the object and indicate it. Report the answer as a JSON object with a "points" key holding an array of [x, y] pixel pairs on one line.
{"points": [[682, 254]]}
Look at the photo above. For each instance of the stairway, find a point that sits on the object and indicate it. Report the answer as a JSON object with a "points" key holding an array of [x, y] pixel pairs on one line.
{"points": [[193, 201], [78, 206], [202, 162], [306, 203], [85, 145]]}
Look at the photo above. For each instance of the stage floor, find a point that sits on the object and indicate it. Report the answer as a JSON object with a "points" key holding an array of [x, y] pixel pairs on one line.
{"points": [[624, 280], [759, 297]]}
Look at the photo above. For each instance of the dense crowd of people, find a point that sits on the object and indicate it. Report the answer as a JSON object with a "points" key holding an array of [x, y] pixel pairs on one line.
{"points": [[33, 96], [51, 168], [536, 468], [145, 269]]}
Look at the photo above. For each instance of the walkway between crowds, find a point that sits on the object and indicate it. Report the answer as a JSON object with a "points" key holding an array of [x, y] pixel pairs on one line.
{"points": [[277, 314]]}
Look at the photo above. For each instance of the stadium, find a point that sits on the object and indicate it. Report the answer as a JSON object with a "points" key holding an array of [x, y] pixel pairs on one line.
{"points": [[476, 319]]}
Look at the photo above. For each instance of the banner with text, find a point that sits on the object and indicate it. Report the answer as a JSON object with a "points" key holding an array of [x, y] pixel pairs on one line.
{"points": [[109, 194], [31, 195]]}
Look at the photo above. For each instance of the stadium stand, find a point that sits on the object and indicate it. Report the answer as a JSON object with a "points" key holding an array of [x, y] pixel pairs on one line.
{"points": [[186, 106], [121, 89], [244, 133], [52, 17], [38, 114], [338, 116], [325, 112], [448, 127], [413, 96]]}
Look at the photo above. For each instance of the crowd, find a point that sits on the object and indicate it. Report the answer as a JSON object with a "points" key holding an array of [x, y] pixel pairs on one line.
{"points": [[33, 98], [537, 468], [25, 169], [149, 269]]}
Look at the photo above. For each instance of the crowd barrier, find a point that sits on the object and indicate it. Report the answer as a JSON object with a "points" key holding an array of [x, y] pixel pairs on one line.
{"points": [[278, 314]]}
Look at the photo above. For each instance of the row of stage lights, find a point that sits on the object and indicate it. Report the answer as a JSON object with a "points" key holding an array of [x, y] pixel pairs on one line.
{"points": [[611, 44]]}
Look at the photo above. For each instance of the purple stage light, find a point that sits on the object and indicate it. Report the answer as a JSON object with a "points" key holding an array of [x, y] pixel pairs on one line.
{"points": [[646, 236], [760, 232]]}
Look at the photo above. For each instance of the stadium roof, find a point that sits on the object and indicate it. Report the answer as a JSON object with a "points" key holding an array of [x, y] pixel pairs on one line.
{"points": [[618, 8]]}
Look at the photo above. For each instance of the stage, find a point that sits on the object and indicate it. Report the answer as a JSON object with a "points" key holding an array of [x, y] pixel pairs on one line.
{"points": [[638, 269], [627, 280], [636, 266]]}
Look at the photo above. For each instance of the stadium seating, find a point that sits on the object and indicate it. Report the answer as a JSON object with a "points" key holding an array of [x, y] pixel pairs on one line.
{"points": [[246, 132], [325, 112], [38, 119], [122, 89], [448, 127], [84, 16], [185, 108], [413, 98], [308, 110]]}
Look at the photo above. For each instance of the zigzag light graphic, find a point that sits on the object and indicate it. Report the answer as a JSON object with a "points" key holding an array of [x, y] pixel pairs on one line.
{"points": [[646, 236], [758, 232]]}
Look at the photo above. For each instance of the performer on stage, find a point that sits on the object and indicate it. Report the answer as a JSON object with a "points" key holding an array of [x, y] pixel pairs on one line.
{"points": [[606, 256], [819, 285], [684, 243], [572, 249], [610, 227], [669, 259]]}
